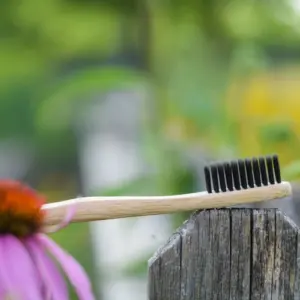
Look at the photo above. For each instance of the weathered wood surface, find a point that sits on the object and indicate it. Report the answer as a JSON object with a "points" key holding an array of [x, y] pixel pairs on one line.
{"points": [[236, 254], [290, 206]]}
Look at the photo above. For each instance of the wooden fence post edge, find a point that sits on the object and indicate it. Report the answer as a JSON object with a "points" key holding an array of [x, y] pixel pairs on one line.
{"points": [[231, 253]]}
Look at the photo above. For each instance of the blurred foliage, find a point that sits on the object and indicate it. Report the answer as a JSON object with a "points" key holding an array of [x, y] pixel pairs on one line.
{"points": [[76, 240], [137, 268], [267, 117], [292, 171], [187, 39], [70, 94]]}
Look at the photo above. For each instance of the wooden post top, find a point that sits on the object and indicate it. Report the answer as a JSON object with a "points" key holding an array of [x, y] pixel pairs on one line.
{"points": [[236, 254]]}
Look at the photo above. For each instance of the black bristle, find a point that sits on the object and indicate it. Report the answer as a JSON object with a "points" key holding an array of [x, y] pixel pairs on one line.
{"points": [[256, 171], [243, 176], [222, 179], [215, 179], [270, 169], [228, 174], [207, 180], [276, 169], [263, 171], [249, 171], [236, 175]]}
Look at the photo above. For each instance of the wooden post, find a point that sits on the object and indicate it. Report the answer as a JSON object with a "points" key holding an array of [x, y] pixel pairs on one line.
{"points": [[236, 254]]}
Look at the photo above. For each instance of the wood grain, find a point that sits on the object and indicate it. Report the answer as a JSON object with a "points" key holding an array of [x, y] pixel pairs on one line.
{"points": [[234, 254], [102, 208]]}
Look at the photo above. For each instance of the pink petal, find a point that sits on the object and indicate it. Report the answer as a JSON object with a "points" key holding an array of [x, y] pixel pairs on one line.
{"points": [[56, 288], [72, 268], [18, 275]]}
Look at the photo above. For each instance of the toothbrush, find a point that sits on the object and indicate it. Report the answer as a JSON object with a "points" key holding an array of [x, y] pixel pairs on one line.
{"points": [[227, 184]]}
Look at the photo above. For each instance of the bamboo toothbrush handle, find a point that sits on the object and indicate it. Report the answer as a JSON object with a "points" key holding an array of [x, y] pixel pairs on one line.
{"points": [[103, 208]]}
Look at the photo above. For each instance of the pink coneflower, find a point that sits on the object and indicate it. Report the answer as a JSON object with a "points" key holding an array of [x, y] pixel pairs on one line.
{"points": [[29, 260]]}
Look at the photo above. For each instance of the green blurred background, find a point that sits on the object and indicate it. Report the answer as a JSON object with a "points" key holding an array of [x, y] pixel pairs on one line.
{"points": [[217, 79]]}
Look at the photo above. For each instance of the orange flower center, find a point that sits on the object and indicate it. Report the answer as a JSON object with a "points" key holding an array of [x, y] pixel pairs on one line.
{"points": [[20, 209]]}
